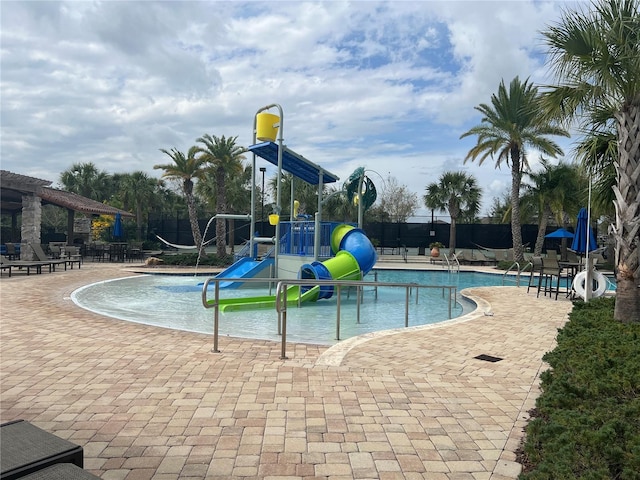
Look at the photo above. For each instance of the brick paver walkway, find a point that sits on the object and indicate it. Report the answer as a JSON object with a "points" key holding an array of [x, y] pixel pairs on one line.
{"points": [[150, 403]]}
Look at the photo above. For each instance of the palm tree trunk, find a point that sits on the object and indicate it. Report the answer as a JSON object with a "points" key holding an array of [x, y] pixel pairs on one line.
{"points": [[139, 217], [221, 207], [452, 236], [542, 228], [516, 229], [627, 204], [193, 221], [232, 235]]}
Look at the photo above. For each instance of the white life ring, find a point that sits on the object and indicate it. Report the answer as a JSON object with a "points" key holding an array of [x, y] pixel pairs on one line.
{"points": [[579, 284]]}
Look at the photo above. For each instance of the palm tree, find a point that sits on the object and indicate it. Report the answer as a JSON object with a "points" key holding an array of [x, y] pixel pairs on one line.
{"points": [[138, 191], [509, 125], [186, 169], [598, 152], [238, 196], [305, 193], [500, 211], [555, 191], [455, 192], [85, 179], [224, 158], [595, 56]]}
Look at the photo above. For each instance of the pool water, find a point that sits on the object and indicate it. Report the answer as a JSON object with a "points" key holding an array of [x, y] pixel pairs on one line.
{"points": [[172, 301]]}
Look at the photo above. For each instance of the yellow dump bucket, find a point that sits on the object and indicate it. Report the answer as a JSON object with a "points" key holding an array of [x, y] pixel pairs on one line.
{"points": [[267, 127], [273, 219]]}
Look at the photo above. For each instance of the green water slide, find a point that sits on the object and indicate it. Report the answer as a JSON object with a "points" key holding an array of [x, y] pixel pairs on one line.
{"points": [[268, 301]]}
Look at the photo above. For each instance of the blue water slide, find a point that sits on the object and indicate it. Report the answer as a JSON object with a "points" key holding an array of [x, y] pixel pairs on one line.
{"points": [[244, 268], [357, 243]]}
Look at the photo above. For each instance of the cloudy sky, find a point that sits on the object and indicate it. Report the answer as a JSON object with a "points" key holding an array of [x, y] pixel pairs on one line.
{"points": [[390, 86]]}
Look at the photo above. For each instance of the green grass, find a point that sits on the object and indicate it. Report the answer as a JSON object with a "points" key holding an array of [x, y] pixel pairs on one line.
{"points": [[586, 423]]}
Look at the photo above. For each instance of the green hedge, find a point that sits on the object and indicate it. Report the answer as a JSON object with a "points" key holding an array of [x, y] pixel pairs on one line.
{"points": [[587, 420], [190, 259]]}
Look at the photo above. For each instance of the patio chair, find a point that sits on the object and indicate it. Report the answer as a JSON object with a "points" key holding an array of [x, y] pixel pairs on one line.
{"points": [[12, 252], [134, 252], [552, 270], [98, 251], [73, 253], [552, 254]]}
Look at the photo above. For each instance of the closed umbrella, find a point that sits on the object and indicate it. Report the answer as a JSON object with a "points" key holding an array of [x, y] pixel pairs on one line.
{"points": [[584, 238], [117, 226]]}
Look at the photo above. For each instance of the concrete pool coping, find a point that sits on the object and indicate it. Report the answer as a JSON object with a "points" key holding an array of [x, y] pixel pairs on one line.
{"points": [[105, 298], [146, 402]]}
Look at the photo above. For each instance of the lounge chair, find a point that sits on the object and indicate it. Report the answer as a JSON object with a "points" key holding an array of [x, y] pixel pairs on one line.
{"points": [[40, 255], [5, 266], [480, 257], [20, 264], [461, 256], [465, 257]]}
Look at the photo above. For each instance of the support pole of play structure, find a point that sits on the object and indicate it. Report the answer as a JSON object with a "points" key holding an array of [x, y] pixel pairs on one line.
{"points": [[252, 227], [360, 206], [318, 217], [279, 126]]}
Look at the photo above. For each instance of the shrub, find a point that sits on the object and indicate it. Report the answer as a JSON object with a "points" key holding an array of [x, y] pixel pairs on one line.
{"points": [[587, 419], [190, 259]]}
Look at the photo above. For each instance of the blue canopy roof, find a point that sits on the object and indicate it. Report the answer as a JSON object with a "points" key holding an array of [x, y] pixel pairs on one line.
{"points": [[293, 163]]}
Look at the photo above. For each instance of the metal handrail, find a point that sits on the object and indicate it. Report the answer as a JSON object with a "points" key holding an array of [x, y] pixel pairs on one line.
{"points": [[504, 275], [281, 306], [449, 266], [455, 257]]}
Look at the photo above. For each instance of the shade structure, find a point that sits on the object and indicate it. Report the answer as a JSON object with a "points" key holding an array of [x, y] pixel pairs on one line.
{"points": [[560, 233], [117, 226], [579, 244]]}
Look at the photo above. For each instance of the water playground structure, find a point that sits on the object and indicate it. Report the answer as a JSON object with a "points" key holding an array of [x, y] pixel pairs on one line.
{"points": [[302, 248], [354, 257]]}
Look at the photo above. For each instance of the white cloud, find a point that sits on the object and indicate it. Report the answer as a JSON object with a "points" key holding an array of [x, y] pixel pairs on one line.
{"points": [[386, 85]]}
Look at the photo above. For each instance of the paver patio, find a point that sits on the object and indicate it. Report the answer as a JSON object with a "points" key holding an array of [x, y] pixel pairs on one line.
{"points": [[151, 403]]}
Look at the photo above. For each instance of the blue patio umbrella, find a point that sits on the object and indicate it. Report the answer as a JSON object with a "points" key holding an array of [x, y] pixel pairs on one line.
{"points": [[117, 226], [579, 244], [560, 233]]}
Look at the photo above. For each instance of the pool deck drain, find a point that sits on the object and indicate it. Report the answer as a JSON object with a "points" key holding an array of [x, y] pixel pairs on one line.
{"points": [[151, 403], [488, 358]]}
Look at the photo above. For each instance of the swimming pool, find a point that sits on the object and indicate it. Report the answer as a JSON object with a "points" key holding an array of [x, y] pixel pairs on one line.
{"points": [[173, 301]]}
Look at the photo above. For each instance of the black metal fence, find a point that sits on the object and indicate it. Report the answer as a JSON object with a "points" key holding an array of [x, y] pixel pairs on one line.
{"points": [[411, 235]]}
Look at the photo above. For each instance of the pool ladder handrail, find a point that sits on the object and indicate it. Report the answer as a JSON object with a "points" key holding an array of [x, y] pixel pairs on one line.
{"points": [[518, 271], [281, 306], [450, 267]]}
